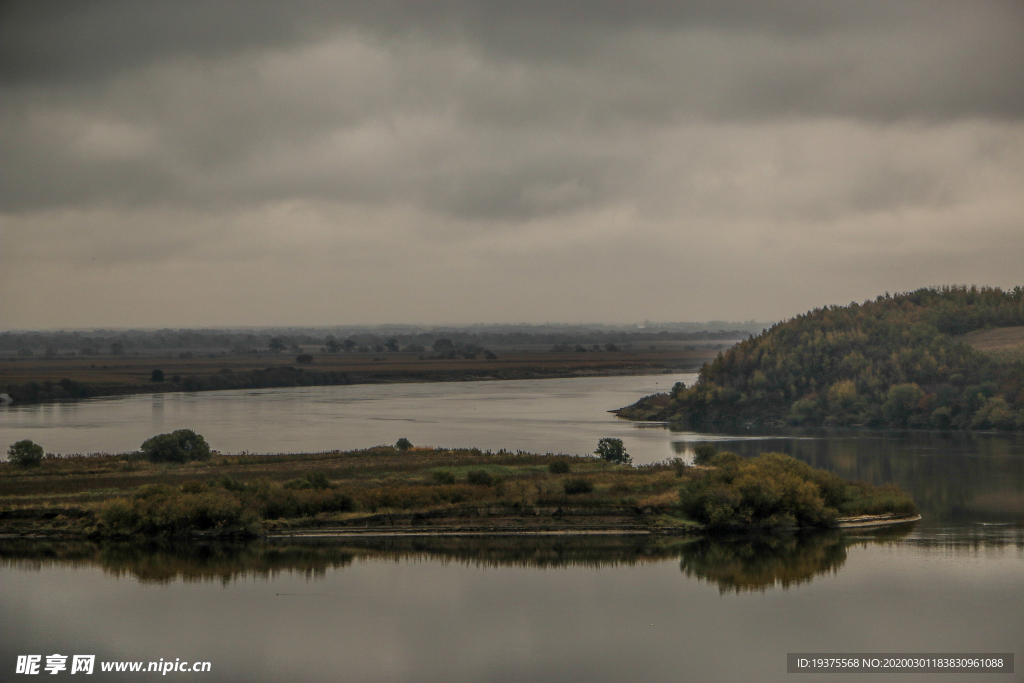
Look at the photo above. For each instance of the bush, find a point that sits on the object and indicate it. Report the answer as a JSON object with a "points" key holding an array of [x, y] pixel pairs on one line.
{"points": [[403, 444], [613, 451], [182, 445], [230, 483], [678, 465], [443, 477], [25, 453], [774, 490], [317, 480], [703, 453], [480, 478], [576, 486], [558, 467]]}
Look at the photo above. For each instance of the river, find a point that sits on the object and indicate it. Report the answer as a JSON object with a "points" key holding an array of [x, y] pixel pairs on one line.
{"points": [[544, 609]]}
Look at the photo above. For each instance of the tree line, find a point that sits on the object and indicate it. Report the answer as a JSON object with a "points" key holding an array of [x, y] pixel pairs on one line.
{"points": [[891, 362]]}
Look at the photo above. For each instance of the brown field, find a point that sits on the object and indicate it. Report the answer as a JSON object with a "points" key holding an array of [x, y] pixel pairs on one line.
{"points": [[996, 339], [1004, 341], [132, 370]]}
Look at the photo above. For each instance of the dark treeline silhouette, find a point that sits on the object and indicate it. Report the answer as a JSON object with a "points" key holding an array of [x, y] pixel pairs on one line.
{"points": [[281, 376], [892, 362], [116, 342]]}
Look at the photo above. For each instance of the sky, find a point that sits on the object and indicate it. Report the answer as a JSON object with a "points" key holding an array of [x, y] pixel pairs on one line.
{"points": [[194, 164]]}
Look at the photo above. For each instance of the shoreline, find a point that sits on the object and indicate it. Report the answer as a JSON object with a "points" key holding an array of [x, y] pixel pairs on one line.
{"points": [[385, 528], [427, 377]]}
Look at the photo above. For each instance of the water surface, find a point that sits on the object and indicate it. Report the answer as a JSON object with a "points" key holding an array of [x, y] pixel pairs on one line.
{"points": [[513, 609]]}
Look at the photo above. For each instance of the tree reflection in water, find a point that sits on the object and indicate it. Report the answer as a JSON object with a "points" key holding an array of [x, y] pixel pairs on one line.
{"points": [[761, 562], [735, 564]]}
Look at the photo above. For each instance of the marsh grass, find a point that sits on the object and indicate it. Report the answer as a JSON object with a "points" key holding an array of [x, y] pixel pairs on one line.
{"points": [[245, 492]]}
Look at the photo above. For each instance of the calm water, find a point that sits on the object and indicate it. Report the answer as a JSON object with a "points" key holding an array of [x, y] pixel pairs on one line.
{"points": [[535, 609], [553, 415]]}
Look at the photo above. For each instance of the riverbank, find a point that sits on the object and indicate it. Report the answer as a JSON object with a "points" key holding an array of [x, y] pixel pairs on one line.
{"points": [[413, 490], [42, 380]]}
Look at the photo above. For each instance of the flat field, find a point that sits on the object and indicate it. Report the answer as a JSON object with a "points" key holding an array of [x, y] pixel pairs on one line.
{"points": [[422, 490], [133, 373], [999, 340]]}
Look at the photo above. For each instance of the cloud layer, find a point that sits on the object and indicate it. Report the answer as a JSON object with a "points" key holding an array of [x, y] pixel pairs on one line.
{"points": [[273, 163]]}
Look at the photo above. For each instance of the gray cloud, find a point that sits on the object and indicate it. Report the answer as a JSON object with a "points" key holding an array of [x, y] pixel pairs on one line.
{"points": [[468, 139]]}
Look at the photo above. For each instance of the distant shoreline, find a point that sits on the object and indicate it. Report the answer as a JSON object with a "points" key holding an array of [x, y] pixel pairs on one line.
{"points": [[66, 381]]}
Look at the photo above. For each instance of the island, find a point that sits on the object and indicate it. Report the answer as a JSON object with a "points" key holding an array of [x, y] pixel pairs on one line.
{"points": [[176, 486]]}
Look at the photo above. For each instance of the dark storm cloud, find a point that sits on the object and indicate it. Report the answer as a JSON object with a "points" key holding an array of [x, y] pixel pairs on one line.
{"points": [[211, 87], [944, 58], [483, 137]]}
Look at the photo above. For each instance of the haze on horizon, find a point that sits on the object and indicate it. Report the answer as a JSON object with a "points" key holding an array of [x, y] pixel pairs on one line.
{"points": [[188, 164]]}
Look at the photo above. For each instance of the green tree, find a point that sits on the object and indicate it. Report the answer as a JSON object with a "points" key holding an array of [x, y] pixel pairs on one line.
{"points": [[901, 402], [703, 453], [157, 376], [403, 444], [25, 453], [182, 445], [613, 451], [276, 345]]}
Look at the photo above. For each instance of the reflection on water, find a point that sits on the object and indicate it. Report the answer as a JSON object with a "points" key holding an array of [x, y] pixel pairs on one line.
{"points": [[464, 610], [737, 564], [953, 477], [761, 562]]}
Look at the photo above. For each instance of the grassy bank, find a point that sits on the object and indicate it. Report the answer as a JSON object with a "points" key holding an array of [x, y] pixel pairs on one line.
{"points": [[426, 489]]}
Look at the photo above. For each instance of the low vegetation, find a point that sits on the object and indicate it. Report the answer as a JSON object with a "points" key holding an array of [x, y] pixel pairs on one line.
{"points": [[132, 495], [898, 362], [774, 490]]}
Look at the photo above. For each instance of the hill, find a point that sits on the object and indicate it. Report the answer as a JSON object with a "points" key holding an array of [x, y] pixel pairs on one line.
{"points": [[899, 361]]}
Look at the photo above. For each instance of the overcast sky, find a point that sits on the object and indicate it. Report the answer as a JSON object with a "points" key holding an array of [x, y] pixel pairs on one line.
{"points": [[271, 163]]}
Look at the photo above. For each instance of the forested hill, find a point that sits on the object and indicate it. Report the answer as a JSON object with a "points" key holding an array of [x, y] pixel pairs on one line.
{"points": [[892, 362]]}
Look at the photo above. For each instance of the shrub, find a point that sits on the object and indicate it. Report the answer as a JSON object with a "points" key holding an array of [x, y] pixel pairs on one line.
{"points": [[230, 483], [703, 453], [613, 451], [161, 509], [774, 490], [480, 478], [182, 445], [443, 477], [317, 480], [403, 444], [576, 486], [25, 453], [678, 465], [558, 467]]}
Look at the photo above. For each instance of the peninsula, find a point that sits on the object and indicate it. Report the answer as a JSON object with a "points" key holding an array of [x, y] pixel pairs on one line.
{"points": [[939, 358]]}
